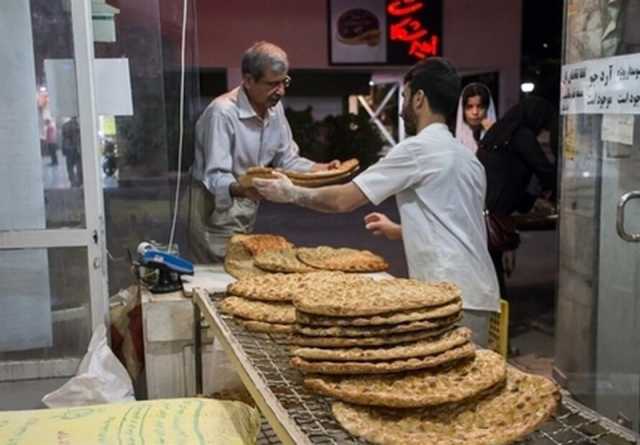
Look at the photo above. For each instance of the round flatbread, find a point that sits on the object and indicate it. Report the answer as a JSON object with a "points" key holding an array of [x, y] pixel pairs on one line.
{"points": [[502, 417], [385, 367], [416, 389], [382, 319], [284, 261], [241, 249], [345, 167], [284, 287], [321, 182], [420, 348], [258, 310], [375, 297], [348, 342], [368, 331], [344, 259], [269, 328]]}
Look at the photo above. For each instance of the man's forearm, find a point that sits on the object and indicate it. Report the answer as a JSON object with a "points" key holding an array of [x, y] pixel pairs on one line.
{"points": [[330, 199]]}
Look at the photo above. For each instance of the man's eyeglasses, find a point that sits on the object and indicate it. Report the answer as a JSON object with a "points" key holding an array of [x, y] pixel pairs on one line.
{"points": [[286, 82]]}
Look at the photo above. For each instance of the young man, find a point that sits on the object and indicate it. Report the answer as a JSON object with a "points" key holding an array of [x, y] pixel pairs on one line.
{"points": [[439, 187], [243, 128]]}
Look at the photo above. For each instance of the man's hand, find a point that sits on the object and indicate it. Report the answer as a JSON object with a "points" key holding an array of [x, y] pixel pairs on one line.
{"points": [[318, 167], [238, 191], [380, 224], [277, 190]]}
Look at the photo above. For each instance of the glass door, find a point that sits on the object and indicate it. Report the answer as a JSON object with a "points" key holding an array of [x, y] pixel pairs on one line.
{"points": [[53, 286], [598, 319]]}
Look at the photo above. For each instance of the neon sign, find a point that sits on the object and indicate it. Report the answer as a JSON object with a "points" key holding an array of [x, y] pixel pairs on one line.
{"points": [[405, 25]]}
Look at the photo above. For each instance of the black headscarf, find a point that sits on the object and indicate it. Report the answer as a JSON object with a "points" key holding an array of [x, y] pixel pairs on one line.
{"points": [[534, 113]]}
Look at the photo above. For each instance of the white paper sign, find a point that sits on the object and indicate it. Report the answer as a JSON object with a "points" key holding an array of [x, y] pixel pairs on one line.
{"points": [[112, 84], [602, 86], [618, 128]]}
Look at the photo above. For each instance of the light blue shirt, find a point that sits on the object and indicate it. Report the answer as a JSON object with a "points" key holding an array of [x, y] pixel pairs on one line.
{"points": [[440, 188], [231, 137]]}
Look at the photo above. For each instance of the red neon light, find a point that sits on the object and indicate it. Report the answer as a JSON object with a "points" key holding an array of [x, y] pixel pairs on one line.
{"points": [[395, 7], [408, 28], [424, 48]]}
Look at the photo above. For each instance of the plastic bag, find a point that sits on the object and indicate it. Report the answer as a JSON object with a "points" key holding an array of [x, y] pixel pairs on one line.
{"points": [[100, 378]]}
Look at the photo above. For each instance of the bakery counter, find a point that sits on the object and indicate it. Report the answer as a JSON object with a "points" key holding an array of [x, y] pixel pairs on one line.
{"points": [[296, 416]]}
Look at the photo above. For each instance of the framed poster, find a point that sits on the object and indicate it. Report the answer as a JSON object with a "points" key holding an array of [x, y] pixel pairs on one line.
{"points": [[383, 32]]}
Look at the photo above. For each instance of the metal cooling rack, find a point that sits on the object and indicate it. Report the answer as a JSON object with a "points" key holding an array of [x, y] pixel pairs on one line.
{"points": [[297, 416]]}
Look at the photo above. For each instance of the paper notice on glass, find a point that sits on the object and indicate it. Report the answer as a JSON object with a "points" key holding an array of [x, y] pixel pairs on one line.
{"points": [[618, 128], [112, 86], [601, 86]]}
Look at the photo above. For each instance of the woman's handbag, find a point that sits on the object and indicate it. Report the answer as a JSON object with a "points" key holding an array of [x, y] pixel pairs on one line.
{"points": [[502, 235]]}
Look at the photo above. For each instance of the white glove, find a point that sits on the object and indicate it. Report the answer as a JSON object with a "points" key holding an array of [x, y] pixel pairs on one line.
{"points": [[278, 190]]}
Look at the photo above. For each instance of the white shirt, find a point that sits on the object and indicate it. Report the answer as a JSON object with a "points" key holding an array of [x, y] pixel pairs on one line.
{"points": [[231, 137], [440, 189]]}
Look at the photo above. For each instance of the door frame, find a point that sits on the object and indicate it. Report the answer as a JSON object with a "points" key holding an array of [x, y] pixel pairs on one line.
{"points": [[92, 237]]}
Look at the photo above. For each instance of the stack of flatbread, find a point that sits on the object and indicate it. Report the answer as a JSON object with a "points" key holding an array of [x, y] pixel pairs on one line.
{"points": [[263, 303], [403, 324], [313, 259], [255, 255], [304, 179], [242, 250], [389, 352]]}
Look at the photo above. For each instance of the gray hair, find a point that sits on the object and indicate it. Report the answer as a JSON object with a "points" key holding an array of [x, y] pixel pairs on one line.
{"points": [[262, 56]]}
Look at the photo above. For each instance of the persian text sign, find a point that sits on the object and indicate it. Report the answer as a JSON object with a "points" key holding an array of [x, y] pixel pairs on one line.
{"points": [[407, 25], [610, 85]]}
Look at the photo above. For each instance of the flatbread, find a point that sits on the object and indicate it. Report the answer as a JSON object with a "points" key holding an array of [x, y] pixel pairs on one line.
{"points": [[258, 310], [284, 261], [260, 243], [344, 259], [304, 179], [246, 180], [368, 331], [270, 328], [321, 182], [382, 319], [375, 297], [345, 167], [348, 342], [417, 389], [385, 367], [283, 287], [241, 249], [501, 418], [238, 261], [420, 348]]}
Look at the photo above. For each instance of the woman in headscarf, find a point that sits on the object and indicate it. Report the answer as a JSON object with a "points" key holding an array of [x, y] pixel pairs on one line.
{"points": [[511, 155], [476, 114]]}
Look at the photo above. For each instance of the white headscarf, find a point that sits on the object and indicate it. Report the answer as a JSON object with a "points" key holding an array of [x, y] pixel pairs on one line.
{"points": [[464, 133]]}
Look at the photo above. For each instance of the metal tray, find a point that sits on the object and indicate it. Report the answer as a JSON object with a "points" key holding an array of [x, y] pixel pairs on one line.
{"points": [[297, 416]]}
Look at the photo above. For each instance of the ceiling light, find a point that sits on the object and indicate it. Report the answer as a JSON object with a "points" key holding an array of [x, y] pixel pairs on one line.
{"points": [[527, 87]]}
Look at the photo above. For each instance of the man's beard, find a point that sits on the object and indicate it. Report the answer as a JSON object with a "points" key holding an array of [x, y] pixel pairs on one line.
{"points": [[410, 122]]}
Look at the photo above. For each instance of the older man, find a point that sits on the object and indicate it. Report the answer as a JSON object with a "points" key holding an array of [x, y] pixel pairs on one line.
{"points": [[244, 127], [439, 186]]}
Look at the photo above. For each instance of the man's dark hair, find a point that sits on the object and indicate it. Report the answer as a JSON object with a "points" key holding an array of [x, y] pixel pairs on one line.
{"points": [[440, 82]]}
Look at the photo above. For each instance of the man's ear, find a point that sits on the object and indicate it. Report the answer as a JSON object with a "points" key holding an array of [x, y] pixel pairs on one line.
{"points": [[420, 98], [247, 80]]}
